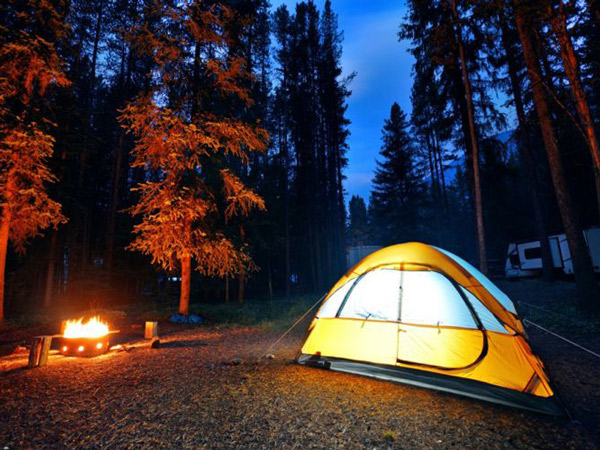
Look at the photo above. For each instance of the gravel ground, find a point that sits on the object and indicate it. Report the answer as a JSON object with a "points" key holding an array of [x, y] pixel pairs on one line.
{"points": [[204, 388]]}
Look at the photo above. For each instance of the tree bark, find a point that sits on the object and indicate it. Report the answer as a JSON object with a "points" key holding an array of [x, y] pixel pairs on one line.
{"points": [[474, 145], [4, 232], [5, 223], [269, 275], [49, 290], [589, 294], [526, 151], [558, 20], [186, 276], [241, 285], [114, 202]]}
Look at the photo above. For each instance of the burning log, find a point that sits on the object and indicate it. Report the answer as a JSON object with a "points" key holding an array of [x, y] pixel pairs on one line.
{"points": [[91, 338]]}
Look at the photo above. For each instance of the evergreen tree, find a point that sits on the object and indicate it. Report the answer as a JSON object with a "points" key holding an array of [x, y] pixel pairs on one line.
{"points": [[448, 37], [358, 225], [584, 274], [190, 194], [311, 129], [30, 67], [397, 185]]}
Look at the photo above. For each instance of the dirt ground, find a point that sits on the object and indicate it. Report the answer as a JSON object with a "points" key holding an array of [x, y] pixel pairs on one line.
{"points": [[205, 388]]}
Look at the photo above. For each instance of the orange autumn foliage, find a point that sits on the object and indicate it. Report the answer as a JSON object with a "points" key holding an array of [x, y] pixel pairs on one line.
{"points": [[29, 65], [184, 146]]}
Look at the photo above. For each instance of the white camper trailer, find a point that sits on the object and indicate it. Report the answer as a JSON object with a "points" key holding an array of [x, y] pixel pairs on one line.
{"points": [[357, 253], [524, 259]]}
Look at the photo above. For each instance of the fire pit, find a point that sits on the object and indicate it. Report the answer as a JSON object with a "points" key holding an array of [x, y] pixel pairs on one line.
{"points": [[91, 338]]}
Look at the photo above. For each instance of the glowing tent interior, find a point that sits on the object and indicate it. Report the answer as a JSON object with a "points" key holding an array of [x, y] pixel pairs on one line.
{"points": [[419, 315]]}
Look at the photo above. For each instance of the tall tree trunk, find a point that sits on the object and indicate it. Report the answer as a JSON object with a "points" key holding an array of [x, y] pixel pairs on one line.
{"points": [[527, 152], [241, 285], [589, 294], [288, 267], [558, 20], [186, 278], [97, 34], [4, 235], [4, 232], [49, 289], [438, 150], [269, 275], [114, 202], [435, 184], [227, 288], [474, 144]]}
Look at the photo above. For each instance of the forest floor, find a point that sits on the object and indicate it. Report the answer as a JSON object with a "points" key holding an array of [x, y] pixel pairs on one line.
{"points": [[206, 387]]}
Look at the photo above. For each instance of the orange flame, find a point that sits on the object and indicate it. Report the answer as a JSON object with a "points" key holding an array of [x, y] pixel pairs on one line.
{"points": [[93, 328]]}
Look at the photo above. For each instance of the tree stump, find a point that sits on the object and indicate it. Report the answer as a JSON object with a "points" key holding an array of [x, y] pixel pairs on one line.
{"points": [[151, 330], [40, 347]]}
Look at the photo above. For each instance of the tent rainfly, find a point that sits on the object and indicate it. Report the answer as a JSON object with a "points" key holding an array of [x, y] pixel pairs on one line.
{"points": [[419, 315]]}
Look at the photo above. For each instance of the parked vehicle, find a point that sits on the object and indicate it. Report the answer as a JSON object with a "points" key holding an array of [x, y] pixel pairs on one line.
{"points": [[524, 259], [356, 253]]}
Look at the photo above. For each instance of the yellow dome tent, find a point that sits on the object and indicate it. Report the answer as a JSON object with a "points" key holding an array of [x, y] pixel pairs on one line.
{"points": [[420, 315]]}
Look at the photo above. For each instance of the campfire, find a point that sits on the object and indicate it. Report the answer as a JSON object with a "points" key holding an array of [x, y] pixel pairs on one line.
{"points": [[90, 338]]}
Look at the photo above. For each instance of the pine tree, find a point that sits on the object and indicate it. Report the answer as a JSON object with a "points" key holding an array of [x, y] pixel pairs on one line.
{"points": [[515, 67], [558, 21], [358, 225], [311, 133], [448, 36], [191, 194], [29, 68], [397, 187], [584, 273]]}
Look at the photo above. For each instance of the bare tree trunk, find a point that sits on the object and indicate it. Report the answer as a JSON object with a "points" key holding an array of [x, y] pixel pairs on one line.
{"points": [[4, 235], [4, 231], [435, 183], [114, 202], [589, 294], [227, 288], [526, 151], [269, 277], [474, 145], [49, 290], [241, 284], [438, 151], [288, 268], [558, 20], [186, 277], [97, 34]]}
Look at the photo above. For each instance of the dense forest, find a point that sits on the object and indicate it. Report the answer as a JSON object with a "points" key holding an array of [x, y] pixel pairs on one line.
{"points": [[198, 148]]}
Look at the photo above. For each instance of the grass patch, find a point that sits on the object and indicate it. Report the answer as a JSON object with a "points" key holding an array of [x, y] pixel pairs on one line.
{"points": [[389, 435], [271, 315]]}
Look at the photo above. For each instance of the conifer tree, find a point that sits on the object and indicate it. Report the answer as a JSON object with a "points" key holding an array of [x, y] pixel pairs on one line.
{"points": [[184, 141], [584, 273], [397, 186], [358, 225], [29, 68]]}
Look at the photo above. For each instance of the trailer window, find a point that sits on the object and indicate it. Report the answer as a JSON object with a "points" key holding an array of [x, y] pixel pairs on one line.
{"points": [[532, 253]]}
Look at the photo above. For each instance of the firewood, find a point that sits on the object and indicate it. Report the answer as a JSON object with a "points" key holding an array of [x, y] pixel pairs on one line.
{"points": [[151, 330], [40, 347]]}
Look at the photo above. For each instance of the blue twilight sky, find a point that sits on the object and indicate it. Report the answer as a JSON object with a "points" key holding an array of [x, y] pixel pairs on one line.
{"points": [[382, 65]]}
